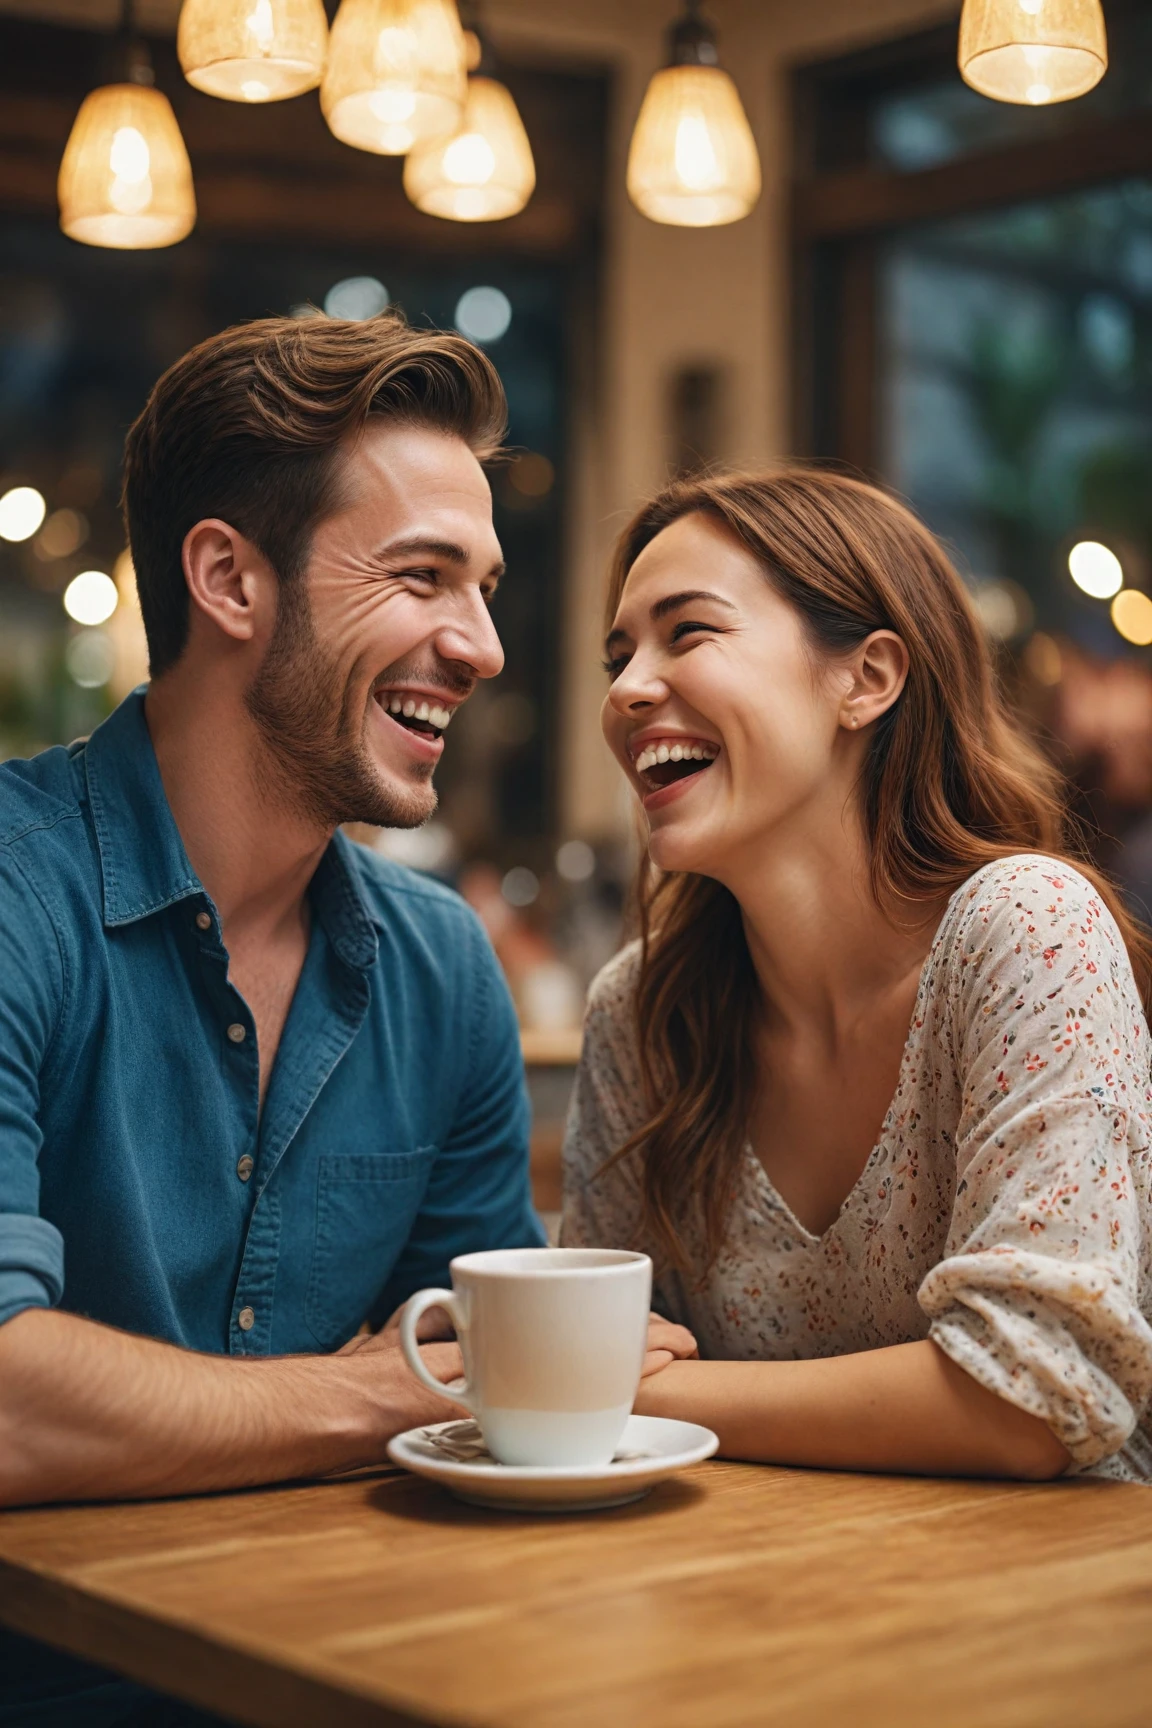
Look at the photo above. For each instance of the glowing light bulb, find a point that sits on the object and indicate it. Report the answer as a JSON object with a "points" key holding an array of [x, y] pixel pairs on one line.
{"points": [[261, 26], [1095, 569], [695, 155], [22, 509], [1032, 51], [91, 597], [469, 160]]}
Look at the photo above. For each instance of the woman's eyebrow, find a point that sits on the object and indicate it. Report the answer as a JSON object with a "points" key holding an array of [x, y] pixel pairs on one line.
{"points": [[670, 603], [687, 596]]}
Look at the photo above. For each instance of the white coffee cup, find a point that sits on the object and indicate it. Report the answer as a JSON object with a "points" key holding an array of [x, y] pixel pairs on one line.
{"points": [[553, 1342]]}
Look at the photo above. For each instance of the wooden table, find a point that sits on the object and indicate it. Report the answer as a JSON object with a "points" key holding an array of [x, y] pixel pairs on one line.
{"points": [[734, 1595]]}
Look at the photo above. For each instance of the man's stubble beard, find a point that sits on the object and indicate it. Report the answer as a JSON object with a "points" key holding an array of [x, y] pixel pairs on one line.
{"points": [[318, 761]]}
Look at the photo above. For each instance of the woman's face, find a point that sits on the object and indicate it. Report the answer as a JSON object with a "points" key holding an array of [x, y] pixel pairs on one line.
{"points": [[727, 727]]}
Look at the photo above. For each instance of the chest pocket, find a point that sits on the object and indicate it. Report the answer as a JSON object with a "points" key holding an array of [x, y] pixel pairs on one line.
{"points": [[366, 1205]]}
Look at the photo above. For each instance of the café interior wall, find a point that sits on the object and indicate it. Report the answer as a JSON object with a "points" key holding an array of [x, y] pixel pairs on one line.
{"points": [[675, 298], [670, 298]]}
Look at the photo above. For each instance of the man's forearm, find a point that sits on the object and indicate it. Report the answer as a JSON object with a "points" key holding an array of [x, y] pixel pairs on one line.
{"points": [[908, 1408], [90, 1413]]}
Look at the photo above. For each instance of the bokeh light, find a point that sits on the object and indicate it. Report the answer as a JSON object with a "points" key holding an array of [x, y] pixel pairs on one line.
{"points": [[22, 509], [532, 475], [63, 533], [520, 886], [90, 659], [1095, 569], [483, 314], [1132, 616], [91, 597], [357, 297], [576, 861]]}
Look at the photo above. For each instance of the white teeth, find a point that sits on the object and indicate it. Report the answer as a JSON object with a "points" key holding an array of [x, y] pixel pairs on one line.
{"points": [[657, 753], [414, 710]]}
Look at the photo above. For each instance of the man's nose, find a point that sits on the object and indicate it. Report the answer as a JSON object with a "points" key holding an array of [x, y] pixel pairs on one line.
{"points": [[470, 636]]}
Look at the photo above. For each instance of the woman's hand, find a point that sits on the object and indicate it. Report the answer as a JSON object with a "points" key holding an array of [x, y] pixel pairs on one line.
{"points": [[666, 1343]]}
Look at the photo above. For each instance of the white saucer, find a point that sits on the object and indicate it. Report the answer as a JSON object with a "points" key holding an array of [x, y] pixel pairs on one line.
{"points": [[651, 1449]]}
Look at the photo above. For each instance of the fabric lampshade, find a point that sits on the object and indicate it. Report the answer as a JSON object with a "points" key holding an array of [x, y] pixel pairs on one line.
{"points": [[253, 50], [396, 73], [484, 170], [125, 180], [693, 159], [1033, 51]]}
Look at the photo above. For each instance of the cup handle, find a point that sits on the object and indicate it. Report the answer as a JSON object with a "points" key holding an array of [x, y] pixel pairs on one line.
{"points": [[458, 1391]]}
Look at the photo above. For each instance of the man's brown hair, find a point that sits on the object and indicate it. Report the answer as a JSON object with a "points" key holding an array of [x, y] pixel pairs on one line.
{"points": [[246, 427]]}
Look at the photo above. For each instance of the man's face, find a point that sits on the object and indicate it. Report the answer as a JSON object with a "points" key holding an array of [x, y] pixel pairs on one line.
{"points": [[386, 633]]}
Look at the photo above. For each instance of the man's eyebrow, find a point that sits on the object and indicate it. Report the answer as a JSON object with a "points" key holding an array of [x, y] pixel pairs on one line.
{"points": [[449, 550], [670, 603]]}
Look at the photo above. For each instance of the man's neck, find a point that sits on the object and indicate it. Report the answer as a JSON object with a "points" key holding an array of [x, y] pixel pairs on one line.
{"points": [[254, 855]]}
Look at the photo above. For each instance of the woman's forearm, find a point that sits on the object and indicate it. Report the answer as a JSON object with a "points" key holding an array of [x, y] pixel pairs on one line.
{"points": [[907, 1408]]}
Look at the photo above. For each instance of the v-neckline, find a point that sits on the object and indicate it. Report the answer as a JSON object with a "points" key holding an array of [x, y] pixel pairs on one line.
{"points": [[769, 1190]]}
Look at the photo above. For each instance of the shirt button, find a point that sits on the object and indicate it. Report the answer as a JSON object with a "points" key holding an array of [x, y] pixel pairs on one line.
{"points": [[246, 1319], [203, 921], [237, 1033], [244, 1168]]}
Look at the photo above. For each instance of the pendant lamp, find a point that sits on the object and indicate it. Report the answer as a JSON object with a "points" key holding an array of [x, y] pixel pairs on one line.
{"points": [[1033, 51], [125, 179], [693, 159], [396, 73], [483, 171], [253, 50]]}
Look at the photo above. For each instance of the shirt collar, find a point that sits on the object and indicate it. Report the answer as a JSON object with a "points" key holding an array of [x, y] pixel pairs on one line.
{"points": [[341, 907], [142, 859]]}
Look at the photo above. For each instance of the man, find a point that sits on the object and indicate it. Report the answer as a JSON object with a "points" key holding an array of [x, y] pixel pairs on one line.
{"points": [[256, 1085]]}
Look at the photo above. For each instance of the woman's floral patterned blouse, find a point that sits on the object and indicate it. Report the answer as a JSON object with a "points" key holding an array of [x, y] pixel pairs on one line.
{"points": [[1005, 1210]]}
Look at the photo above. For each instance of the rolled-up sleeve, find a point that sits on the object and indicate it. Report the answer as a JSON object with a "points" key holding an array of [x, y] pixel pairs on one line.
{"points": [[31, 995], [1043, 1294]]}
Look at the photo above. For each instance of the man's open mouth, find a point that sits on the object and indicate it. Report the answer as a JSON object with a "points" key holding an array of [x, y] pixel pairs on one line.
{"points": [[664, 761], [415, 713]]}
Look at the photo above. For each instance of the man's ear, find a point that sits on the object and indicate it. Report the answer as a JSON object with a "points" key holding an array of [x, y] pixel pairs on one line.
{"points": [[878, 672], [230, 581]]}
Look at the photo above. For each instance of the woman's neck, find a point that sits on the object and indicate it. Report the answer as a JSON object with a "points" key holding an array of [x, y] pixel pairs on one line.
{"points": [[825, 951]]}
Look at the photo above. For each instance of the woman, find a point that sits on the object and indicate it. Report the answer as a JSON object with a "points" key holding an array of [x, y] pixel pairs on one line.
{"points": [[873, 1087]]}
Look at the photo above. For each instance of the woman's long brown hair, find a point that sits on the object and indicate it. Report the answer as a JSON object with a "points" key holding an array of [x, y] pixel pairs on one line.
{"points": [[950, 783]]}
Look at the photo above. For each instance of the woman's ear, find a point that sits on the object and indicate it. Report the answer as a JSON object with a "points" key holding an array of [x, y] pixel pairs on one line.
{"points": [[230, 582], [877, 673]]}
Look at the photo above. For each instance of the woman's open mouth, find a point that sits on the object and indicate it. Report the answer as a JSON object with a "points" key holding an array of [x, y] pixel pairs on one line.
{"points": [[664, 762]]}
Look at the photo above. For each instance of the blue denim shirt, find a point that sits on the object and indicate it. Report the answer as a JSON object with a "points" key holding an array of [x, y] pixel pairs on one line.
{"points": [[394, 1133]]}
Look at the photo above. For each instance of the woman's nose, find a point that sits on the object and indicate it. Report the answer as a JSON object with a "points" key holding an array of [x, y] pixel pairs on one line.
{"points": [[640, 685]]}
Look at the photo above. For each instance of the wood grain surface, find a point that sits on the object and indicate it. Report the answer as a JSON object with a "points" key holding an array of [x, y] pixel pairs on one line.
{"points": [[733, 1595]]}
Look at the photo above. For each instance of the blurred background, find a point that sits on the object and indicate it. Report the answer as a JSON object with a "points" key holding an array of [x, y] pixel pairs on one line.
{"points": [[940, 289]]}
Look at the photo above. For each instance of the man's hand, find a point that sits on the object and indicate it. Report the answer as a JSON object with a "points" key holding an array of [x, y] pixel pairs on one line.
{"points": [[666, 1343]]}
